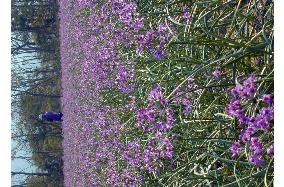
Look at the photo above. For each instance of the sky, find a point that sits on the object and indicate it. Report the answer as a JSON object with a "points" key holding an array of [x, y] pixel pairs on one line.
{"points": [[21, 164], [5, 77]]}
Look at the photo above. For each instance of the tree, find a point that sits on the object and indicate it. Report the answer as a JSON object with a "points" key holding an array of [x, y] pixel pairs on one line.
{"points": [[35, 88]]}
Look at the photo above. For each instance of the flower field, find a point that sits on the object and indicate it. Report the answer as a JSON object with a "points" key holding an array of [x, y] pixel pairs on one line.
{"points": [[167, 92]]}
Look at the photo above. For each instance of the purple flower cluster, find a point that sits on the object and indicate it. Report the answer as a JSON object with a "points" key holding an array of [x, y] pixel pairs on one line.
{"points": [[235, 149], [125, 75], [217, 73], [156, 119], [91, 63], [247, 90], [234, 109], [159, 148], [255, 126], [128, 15], [270, 150], [256, 148], [132, 154], [185, 96], [268, 99], [154, 42], [186, 16], [158, 116]]}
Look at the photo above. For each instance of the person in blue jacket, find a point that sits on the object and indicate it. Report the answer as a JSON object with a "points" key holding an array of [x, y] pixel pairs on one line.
{"points": [[50, 116]]}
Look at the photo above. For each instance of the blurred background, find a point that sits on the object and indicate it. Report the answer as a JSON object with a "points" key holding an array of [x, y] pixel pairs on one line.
{"points": [[35, 87]]}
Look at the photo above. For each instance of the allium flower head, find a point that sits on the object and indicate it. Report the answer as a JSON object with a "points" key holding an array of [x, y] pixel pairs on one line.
{"points": [[247, 90], [157, 95], [270, 150], [186, 16], [268, 99], [158, 116], [256, 146], [256, 160], [234, 109], [235, 149], [217, 73], [162, 28]]}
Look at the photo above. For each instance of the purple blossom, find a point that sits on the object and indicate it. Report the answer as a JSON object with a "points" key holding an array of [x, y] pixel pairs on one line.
{"points": [[262, 120], [187, 106], [247, 133], [168, 149], [154, 42], [157, 95], [157, 116], [185, 96], [160, 54], [256, 146], [267, 113], [253, 126], [125, 75], [234, 109], [217, 73], [247, 90], [132, 154], [257, 150], [268, 99], [162, 28], [235, 149], [186, 16], [235, 91], [270, 150], [256, 160], [159, 148]]}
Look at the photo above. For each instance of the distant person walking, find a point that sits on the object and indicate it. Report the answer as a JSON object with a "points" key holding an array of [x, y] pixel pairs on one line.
{"points": [[50, 116]]}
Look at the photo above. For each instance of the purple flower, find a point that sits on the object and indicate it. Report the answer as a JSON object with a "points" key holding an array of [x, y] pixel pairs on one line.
{"points": [[157, 116], [154, 42], [256, 160], [235, 149], [247, 133], [255, 126], [159, 148], [267, 113], [155, 94], [268, 99], [151, 159], [160, 54], [186, 16], [132, 154], [185, 96], [124, 77], [247, 90], [262, 123], [217, 73], [256, 146], [168, 149], [235, 91], [187, 106], [234, 109], [270, 150], [162, 29]]}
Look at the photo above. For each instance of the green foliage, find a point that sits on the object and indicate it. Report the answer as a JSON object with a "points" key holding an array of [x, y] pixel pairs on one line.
{"points": [[40, 181]]}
